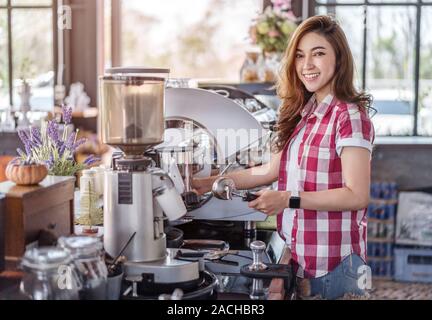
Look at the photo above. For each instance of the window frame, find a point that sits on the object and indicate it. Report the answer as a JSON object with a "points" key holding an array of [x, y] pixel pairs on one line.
{"points": [[9, 7], [419, 5]]}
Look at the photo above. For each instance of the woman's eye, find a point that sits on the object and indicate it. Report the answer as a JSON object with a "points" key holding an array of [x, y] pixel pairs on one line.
{"points": [[319, 53], [298, 55]]}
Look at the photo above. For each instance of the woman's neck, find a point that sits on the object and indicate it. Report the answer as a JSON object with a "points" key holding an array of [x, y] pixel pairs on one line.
{"points": [[322, 93]]}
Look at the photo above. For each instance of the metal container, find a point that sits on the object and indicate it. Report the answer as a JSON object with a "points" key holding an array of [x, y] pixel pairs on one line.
{"points": [[132, 108], [87, 254], [181, 159], [49, 274]]}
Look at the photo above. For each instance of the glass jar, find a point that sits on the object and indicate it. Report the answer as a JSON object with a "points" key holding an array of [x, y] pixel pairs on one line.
{"points": [[269, 67], [49, 275], [250, 68], [87, 254]]}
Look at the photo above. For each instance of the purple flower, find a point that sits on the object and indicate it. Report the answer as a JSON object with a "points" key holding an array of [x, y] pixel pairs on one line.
{"points": [[53, 133], [91, 160], [36, 136], [50, 161], [21, 153], [70, 141], [67, 114], [24, 136], [61, 149], [79, 142], [28, 150]]}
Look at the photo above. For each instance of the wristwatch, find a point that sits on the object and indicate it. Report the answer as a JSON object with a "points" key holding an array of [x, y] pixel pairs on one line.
{"points": [[294, 200]]}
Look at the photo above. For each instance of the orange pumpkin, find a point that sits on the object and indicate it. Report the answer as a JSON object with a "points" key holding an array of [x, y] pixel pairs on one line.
{"points": [[26, 175]]}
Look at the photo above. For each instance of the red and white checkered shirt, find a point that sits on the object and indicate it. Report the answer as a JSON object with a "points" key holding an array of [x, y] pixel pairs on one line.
{"points": [[322, 239]]}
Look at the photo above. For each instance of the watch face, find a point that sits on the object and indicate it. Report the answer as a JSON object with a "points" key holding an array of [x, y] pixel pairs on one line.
{"points": [[294, 203]]}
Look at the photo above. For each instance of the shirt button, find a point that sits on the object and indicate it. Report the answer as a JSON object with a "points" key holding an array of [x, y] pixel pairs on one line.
{"points": [[293, 239]]}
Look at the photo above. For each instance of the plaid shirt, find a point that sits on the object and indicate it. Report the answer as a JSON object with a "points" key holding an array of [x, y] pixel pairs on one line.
{"points": [[322, 239]]}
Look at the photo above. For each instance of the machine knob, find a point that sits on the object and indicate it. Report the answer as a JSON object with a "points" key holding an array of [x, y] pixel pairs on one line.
{"points": [[258, 248]]}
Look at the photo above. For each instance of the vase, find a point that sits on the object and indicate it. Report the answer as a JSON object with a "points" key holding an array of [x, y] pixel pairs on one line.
{"points": [[25, 174]]}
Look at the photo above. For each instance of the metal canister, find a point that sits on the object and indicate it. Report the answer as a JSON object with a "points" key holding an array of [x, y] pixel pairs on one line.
{"points": [[87, 253]]}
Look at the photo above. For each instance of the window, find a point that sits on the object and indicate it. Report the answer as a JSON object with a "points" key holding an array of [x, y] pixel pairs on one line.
{"points": [[386, 59], [200, 39], [26, 50]]}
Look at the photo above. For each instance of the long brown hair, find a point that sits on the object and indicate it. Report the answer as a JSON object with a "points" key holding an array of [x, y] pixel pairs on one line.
{"points": [[292, 91]]}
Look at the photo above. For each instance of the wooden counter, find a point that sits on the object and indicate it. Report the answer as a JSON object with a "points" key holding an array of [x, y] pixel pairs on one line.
{"points": [[32, 209]]}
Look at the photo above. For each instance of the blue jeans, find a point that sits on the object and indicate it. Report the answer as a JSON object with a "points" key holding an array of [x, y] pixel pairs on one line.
{"points": [[343, 279]]}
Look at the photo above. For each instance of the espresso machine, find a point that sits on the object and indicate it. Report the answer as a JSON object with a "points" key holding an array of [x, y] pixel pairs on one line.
{"points": [[138, 196]]}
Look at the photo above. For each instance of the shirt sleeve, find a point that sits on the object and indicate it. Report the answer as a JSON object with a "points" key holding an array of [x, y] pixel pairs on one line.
{"points": [[354, 129]]}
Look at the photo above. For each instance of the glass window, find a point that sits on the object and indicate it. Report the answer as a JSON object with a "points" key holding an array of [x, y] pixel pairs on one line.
{"points": [[4, 75], [33, 56], [107, 33], [31, 2], [425, 85], [390, 68], [205, 38], [389, 1], [339, 1], [3, 2], [351, 21]]}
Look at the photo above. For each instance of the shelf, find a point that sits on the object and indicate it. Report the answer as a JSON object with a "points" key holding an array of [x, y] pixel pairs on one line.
{"points": [[383, 221], [383, 201], [372, 258], [380, 240], [86, 113]]}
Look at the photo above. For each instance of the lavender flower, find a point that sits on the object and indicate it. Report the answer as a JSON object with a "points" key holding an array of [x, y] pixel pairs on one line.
{"points": [[67, 114], [36, 136], [56, 151], [52, 131], [70, 141], [21, 153], [50, 161], [62, 149], [91, 160], [79, 142], [24, 136], [28, 150]]}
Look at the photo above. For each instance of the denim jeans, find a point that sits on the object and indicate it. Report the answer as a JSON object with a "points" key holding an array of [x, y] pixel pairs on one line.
{"points": [[343, 279]]}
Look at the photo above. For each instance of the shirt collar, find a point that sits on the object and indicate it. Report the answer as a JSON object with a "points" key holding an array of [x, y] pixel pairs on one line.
{"points": [[320, 110]]}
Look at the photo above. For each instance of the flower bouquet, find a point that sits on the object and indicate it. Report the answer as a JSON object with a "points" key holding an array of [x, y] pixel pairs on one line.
{"points": [[272, 29], [54, 149]]}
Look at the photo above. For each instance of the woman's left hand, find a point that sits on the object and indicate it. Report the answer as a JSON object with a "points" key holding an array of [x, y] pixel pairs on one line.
{"points": [[270, 202]]}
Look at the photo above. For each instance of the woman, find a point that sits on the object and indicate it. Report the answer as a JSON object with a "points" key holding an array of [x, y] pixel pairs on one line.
{"points": [[321, 160]]}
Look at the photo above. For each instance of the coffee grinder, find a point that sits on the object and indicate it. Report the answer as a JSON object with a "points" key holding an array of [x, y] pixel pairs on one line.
{"points": [[138, 195]]}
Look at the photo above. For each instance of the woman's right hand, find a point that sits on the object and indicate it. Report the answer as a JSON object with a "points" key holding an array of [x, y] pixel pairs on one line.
{"points": [[202, 185]]}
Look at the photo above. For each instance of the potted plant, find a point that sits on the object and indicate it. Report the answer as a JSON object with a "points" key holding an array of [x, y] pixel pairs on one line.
{"points": [[53, 148]]}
